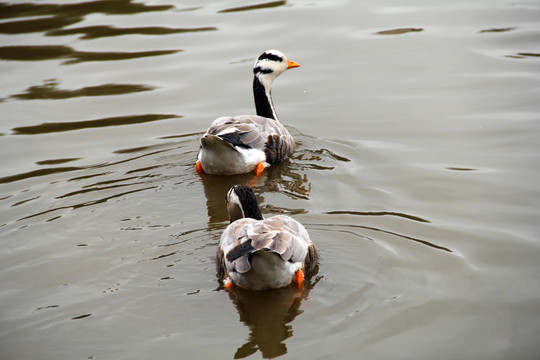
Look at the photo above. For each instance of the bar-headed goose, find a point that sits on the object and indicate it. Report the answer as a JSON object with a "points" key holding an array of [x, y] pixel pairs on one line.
{"points": [[244, 143], [257, 253]]}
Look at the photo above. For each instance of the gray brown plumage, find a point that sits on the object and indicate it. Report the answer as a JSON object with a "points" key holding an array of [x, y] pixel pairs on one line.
{"points": [[257, 253]]}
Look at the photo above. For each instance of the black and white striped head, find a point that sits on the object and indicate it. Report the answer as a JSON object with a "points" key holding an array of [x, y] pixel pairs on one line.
{"points": [[268, 66], [271, 64], [242, 203]]}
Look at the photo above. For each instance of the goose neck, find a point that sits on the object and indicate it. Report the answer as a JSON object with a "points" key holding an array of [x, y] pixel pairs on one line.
{"points": [[251, 208], [263, 98]]}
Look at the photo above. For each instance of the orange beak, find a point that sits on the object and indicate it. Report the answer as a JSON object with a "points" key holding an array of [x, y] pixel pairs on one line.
{"points": [[292, 64]]}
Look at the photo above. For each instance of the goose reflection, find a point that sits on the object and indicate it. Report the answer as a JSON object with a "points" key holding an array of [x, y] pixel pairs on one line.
{"points": [[269, 315], [277, 178]]}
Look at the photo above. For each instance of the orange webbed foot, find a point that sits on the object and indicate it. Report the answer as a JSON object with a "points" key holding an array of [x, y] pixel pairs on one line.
{"points": [[259, 169], [228, 283], [299, 278], [198, 167]]}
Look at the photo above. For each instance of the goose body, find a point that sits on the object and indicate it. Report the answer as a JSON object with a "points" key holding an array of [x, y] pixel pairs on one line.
{"points": [[245, 143], [257, 253]]}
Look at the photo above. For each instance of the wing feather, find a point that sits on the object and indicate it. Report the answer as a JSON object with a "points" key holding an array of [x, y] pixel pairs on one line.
{"points": [[281, 242], [264, 240], [281, 234], [256, 132]]}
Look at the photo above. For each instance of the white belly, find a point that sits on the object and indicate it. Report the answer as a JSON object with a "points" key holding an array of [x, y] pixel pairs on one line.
{"points": [[221, 158]]}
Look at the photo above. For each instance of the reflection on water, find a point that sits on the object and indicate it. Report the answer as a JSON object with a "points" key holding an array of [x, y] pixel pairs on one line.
{"points": [[523, 55], [96, 183], [216, 188], [94, 32], [56, 161], [497, 30], [111, 7], [36, 25], [399, 31], [86, 124], [288, 178], [417, 239], [52, 18], [36, 173], [266, 5], [51, 52], [268, 315], [50, 91]]}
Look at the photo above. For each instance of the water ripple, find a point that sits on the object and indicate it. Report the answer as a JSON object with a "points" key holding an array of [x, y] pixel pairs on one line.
{"points": [[86, 203], [50, 91], [378, 213], [110, 7], [497, 30], [36, 173], [56, 161], [55, 52], [98, 188], [94, 32], [406, 237], [85, 124], [398, 31], [37, 25], [254, 7]]}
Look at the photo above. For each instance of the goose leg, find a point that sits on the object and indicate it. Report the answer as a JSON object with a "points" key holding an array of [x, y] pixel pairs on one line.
{"points": [[299, 278], [228, 283], [259, 169], [198, 167]]}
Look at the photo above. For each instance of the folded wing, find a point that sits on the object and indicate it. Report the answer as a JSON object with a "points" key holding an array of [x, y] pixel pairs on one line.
{"points": [[280, 234], [257, 132]]}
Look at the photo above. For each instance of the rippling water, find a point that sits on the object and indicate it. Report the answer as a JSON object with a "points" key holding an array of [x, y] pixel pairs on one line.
{"points": [[416, 175]]}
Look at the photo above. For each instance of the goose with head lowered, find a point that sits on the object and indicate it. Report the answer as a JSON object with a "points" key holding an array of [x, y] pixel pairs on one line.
{"points": [[245, 143], [259, 254]]}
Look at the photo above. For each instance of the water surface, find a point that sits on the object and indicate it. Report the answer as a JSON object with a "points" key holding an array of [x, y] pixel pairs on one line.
{"points": [[416, 175]]}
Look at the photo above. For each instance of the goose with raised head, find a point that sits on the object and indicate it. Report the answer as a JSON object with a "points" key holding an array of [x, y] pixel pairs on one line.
{"points": [[257, 253], [245, 143]]}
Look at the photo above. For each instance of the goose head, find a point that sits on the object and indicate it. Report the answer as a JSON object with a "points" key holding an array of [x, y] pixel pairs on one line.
{"points": [[242, 203], [268, 66]]}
